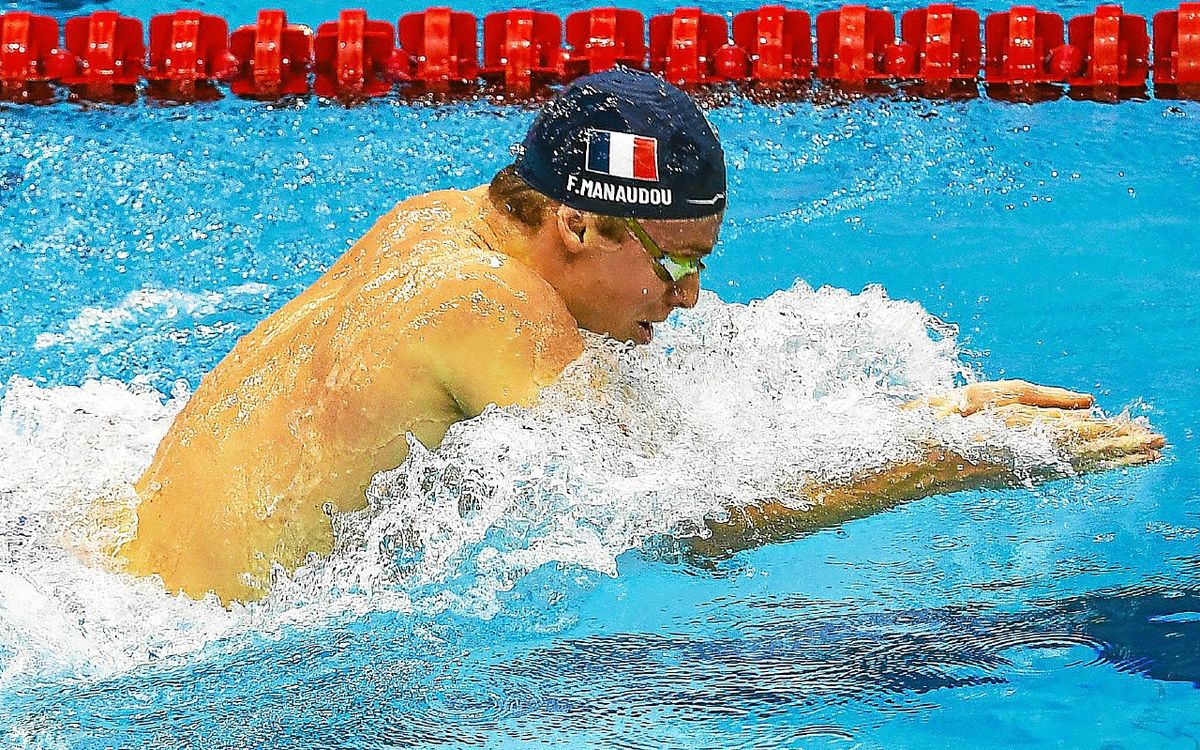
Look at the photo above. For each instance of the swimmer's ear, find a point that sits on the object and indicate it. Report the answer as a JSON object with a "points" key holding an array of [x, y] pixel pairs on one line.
{"points": [[571, 228]]}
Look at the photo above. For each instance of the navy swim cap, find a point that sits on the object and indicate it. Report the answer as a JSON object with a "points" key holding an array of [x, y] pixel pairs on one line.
{"points": [[626, 143]]}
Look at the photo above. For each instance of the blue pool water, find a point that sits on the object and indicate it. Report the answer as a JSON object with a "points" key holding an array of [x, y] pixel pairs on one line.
{"points": [[1062, 239]]}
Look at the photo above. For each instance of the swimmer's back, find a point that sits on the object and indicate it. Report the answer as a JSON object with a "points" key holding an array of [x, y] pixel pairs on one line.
{"points": [[422, 323]]}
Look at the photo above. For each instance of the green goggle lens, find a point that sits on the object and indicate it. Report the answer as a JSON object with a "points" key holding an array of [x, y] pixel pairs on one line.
{"points": [[671, 267], [678, 268]]}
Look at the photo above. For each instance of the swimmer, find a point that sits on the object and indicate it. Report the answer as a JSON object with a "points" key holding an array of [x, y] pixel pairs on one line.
{"points": [[455, 300]]}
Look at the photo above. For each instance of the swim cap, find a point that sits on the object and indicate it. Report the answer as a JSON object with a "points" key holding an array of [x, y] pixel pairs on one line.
{"points": [[626, 143]]}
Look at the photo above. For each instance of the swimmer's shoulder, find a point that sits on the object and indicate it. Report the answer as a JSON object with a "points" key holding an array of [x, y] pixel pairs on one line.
{"points": [[428, 212], [393, 236], [495, 331], [493, 289], [469, 267]]}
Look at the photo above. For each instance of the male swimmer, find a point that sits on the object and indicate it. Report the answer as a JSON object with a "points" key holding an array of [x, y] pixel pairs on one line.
{"points": [[455, 300]]}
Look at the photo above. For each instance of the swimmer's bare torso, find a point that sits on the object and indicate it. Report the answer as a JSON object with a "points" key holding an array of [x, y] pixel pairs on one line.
{"points": [[424, 322]]}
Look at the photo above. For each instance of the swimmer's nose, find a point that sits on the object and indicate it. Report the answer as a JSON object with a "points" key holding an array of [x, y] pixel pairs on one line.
{"points": [[686, 291]]}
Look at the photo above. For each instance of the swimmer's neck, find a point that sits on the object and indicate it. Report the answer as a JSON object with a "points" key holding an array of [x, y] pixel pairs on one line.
{"points": [[555, 253], [540, 249], [500, 231]]}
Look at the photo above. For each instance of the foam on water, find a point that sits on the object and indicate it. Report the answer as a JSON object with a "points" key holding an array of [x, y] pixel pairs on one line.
{"points": [[61, 609], [732, 404], [95, 324]]}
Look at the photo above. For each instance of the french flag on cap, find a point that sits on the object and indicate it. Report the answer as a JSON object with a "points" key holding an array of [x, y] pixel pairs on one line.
{"points": [[622, 155]]}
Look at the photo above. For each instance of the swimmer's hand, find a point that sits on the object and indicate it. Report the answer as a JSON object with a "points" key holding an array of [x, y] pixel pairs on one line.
{"points": [[1091, 441]]}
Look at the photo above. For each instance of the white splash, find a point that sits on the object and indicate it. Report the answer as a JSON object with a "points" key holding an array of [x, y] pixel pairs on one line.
{"points": [[732, 404], [61, 449], [98, 323]]}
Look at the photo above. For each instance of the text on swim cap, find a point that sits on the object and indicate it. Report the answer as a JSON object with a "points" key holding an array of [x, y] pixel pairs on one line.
{"points": [[606, 191]]}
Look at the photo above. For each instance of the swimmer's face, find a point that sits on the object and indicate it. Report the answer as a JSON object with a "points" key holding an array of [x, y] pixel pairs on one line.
{"points": [[613, 287]]}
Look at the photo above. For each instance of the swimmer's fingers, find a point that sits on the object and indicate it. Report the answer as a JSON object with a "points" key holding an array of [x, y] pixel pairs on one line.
{"points": [[1023, 415], [1121, 433], [992, 394], [1114, 462], [1110, 452], [1053, 397], [999, 393], [1077, 424], [943, 404], [937, 403], [1092, 442]]}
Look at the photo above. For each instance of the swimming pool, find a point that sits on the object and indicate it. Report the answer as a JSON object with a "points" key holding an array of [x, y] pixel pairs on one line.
{"points": [[1060, 239]]}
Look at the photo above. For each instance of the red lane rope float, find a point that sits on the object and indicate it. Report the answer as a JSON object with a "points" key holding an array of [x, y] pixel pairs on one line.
{"points": [[443, 52], [1025, 47], [685, 47], [103, 55], [522, 49], [855, 45], [356, 57], [778, 42], [941, 44], [1115, 49], [604, 38], [273, 57], [188, 51], [30, 57], [1177, 49], [110, 53]]}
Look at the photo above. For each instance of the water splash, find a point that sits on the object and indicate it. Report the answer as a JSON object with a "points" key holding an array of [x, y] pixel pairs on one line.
{"points": [[61, 609], [113, 325], [732, 404]]}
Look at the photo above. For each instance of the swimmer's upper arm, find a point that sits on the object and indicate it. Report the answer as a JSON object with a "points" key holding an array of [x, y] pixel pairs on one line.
{"points": [[499, 338]]}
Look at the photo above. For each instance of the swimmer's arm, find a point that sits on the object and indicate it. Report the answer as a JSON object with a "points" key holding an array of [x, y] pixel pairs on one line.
{"points": [[939, 472], [1091, 443]]}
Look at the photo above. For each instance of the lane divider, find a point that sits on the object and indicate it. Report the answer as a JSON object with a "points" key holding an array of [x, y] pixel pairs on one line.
{"points": [[1022, 53]]}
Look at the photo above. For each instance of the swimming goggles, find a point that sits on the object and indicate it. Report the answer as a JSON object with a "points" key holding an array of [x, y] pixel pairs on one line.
{"points": [[670, 268]]}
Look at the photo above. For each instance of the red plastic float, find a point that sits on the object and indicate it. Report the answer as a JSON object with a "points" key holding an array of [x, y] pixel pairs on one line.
{"points": [[110, 54], [273, 57], [1115, 49], [689, 47], [103, 55], [943, 42], [356, 57], [30, 57], [1020, 45], [188, 50], [1177, 46], [442, 46], [778, 41], [854, 44], [522, 50], [604, 38]]}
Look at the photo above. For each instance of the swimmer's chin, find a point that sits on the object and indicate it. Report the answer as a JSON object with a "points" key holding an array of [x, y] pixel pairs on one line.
{"points": [[643, 333]]}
